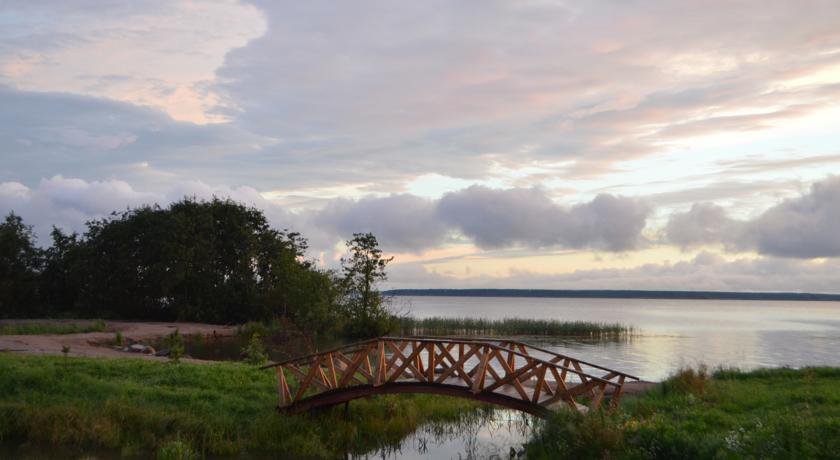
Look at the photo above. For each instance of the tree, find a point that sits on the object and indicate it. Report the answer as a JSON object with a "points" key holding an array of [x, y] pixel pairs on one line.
{"points": [[20, 264], [363, 270]]}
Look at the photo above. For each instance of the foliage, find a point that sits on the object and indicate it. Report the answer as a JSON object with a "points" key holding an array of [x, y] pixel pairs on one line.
{"points": [[43, 327], [213, 410], [211, 261], [175, 343], [363, 269], [119, 339], [767, 413], [509, 326], [176, 450], [20, 264], [255, 352]]}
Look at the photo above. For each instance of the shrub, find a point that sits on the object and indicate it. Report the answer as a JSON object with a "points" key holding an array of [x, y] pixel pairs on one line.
{"points": [[688, 381], [175, 343], [255, 352], [176, 450]]}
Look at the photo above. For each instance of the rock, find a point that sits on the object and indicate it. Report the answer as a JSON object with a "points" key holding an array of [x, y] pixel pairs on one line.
{"points": [[140, 348], [162, 352]]}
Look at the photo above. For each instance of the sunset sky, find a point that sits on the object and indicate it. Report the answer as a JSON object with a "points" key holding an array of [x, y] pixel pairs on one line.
{"points": [[521, 144]]}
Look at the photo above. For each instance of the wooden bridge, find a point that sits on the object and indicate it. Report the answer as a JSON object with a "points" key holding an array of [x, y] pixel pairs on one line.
{"points": [[497, 371]]}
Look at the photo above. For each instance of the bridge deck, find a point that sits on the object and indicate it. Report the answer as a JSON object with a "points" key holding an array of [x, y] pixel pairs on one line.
{"points": [[504, 372]]}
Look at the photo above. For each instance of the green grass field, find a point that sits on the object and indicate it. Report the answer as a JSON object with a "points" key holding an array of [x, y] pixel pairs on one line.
{"points": [[775, 413], [138, 407]]}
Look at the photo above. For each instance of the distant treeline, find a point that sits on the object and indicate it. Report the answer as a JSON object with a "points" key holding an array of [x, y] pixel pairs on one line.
{"points": [[211, 261], [613, 294]]}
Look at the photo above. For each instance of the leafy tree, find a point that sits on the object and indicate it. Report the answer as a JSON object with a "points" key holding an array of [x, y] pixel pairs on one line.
{"points": [[20, 265], [363, 270], [61, 277]]}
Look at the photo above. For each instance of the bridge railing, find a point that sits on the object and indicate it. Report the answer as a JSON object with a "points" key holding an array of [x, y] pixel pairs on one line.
{"points": [[496, 370]]}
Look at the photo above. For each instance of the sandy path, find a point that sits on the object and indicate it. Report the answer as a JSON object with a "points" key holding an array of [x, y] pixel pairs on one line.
{"points": [[86, 344]]}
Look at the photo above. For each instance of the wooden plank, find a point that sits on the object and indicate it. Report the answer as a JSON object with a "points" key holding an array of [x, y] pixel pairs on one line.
{"points": [[301, 376], [283, 392], [310, 376], [408, 362], [599, 395], [511, 376], [430, 377], [331, 366], [350, 370], [614, 398], [478, 383], [381, 370], [459, 366], [540, 381]]}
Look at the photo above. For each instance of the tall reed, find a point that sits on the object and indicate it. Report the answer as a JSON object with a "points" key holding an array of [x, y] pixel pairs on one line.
{"points": [[510, 326]]}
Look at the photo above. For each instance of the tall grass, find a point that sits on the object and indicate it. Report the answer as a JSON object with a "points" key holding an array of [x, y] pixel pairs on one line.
{"points": [[510, 326], [768, 413], [139, 407], [51, 327]]}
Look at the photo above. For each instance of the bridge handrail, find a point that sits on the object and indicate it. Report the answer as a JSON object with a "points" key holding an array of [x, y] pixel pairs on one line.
{"points": [[517, 342], [357, 346]]}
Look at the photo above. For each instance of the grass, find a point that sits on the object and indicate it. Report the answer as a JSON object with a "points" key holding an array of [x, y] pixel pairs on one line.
{"points": [[510, 326], [770, 413], [138, 407], [51, 327]]}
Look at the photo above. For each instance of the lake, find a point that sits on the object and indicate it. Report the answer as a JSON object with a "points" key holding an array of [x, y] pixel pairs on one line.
{"points": [[671, 334]]}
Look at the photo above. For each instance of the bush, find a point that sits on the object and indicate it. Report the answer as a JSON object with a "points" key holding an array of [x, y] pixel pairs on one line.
{"points": [[688, 381], [175, 343], [176, 450], [255, 352]]}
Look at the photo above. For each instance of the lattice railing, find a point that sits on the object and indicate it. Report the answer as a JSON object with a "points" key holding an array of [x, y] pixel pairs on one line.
{"points": [[505, 370]]}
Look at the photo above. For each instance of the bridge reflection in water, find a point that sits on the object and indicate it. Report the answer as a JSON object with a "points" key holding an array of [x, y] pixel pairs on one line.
{"points": [[507, 373]]}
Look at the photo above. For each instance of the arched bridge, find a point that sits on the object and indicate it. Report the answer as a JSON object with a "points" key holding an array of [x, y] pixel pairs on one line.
{"points": [[497, 371]]}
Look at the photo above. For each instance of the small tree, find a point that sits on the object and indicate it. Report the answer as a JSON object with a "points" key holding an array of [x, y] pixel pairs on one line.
{"points": [[363, 269], [175, 342], [255, 351]]}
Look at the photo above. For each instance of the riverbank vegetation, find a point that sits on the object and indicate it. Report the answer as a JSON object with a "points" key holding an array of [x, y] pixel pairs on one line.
{"points": [[510, 326], [212, 261], [770, 413], [137, 407], [51, 327]]}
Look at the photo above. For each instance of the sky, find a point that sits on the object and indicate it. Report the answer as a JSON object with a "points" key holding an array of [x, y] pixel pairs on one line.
{"points": [[513, 144]]}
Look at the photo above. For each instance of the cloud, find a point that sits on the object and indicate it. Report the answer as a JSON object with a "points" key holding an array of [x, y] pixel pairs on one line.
{"points": [[70, 202], [496, 218], [706, 272], [703, 224], [804, 227], [400, 222]]}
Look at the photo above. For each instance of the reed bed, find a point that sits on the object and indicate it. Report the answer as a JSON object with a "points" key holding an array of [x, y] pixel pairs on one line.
{"points": [[511, 326]]}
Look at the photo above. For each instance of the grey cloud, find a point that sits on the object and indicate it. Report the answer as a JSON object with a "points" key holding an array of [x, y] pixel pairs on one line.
{"points": [[45, 134], [805, 227], [707, 271], [400, 222], [704, 223], [501, 218]]}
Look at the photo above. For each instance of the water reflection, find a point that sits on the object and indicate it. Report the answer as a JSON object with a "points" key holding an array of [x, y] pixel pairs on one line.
{"points": [[674, 333], [490, 433]]}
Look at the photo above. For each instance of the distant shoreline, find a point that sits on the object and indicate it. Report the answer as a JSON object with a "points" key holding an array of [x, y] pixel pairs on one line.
{"points": [[614, 294]]}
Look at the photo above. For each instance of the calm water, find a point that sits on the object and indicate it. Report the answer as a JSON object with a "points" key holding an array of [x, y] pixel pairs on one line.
{"points": [[673, 333]]}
